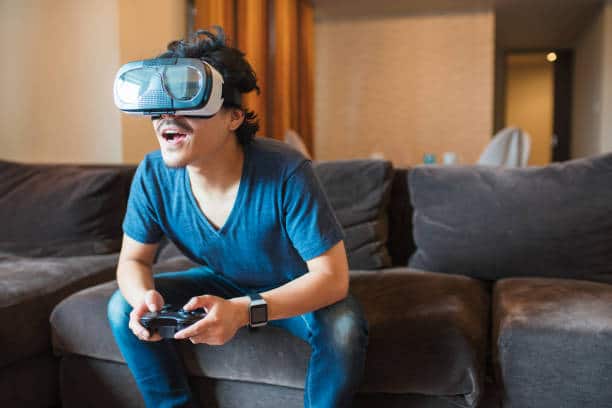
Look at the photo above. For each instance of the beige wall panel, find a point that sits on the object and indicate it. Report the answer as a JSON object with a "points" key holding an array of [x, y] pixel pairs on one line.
{"points": [[529, 102], [588, 87], [60, 59], [606, 125], [404, 86], [145, 29]]}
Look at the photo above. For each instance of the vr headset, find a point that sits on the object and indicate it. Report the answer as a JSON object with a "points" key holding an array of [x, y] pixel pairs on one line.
{"points": [[177, 86]]}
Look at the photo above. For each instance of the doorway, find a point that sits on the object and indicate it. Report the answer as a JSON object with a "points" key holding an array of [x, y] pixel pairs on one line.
{"points": [[537, 99]]}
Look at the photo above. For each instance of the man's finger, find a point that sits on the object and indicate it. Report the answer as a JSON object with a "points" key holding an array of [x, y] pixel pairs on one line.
{"points": [[153, 300], [195, 329], [204, 301], [138, 311]]}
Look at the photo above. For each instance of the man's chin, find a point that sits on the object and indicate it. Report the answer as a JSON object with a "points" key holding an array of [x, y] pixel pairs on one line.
{"points": [[174, 160]]}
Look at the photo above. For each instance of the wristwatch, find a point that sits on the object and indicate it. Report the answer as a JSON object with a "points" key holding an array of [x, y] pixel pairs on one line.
{"points": [[258, 311]]}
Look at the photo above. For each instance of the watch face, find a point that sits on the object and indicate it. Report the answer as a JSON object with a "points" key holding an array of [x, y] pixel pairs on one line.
{"points": [[259, 314]]}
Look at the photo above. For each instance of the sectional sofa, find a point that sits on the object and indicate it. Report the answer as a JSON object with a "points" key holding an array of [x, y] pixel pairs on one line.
{"points": [[483, 287]]}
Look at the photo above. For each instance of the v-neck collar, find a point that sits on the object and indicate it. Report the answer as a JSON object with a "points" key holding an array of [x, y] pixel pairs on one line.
{"points": [[237, 201]]}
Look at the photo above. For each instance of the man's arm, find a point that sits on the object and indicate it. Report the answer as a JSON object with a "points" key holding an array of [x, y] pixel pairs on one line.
{"points": [[325, 283], [135, 279], [134, 271]]}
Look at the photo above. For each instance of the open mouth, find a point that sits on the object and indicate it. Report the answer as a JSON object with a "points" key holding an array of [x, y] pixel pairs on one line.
{"points": [[173, 135]]}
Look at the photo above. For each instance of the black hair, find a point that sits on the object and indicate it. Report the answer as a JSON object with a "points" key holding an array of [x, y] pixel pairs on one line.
{"points": [[230, 62]]}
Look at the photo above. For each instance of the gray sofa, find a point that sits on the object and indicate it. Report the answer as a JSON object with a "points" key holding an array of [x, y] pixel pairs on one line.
{"points": [[482, 286], [60, 233]]}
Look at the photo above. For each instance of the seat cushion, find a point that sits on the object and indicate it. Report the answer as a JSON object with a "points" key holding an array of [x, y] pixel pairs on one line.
{"points": [[494, 222], [553, 342], [29, 290], [62, 210], [427, 336], [82, 377]]}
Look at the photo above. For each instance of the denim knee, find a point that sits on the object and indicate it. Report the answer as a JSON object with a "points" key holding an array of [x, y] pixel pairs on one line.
{"points": [[118, 310], [342, 327]]}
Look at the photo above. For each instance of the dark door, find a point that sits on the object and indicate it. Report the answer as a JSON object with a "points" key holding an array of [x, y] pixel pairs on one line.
{"points": [[562, 111]]}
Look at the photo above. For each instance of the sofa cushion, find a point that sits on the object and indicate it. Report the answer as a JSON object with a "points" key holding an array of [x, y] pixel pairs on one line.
{"points": [[82, 377], [359, 191], [62, 210], [428, 334], [552, 342], [29, 290], [490, 222]]}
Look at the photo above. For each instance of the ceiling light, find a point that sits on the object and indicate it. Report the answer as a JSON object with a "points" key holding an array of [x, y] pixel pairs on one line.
{"points": [[551, 56]]}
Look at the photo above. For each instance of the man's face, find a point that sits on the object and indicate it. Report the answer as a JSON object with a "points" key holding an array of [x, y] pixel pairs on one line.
{"points": [[184, 140]]}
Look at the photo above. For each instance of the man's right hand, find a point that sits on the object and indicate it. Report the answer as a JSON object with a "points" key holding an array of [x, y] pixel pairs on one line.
{"points": [[152, 302]]}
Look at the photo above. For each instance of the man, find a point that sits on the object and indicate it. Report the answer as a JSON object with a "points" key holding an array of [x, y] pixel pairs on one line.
{"points": [[249, 211]]}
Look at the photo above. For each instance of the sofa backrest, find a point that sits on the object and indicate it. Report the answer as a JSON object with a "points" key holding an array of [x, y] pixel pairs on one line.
{"points": [[401, 242], [62, 210], [495, 222]]}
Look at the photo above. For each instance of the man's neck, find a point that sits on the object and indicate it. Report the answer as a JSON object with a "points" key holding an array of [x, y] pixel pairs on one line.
{"points": [[220, 172]]}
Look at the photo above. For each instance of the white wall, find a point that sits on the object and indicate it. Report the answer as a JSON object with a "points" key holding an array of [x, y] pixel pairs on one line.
{"points": [[403, 85], [59, 59]]}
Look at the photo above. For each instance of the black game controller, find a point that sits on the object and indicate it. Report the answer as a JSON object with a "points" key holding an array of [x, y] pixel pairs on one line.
{"points": [[170, 320]]}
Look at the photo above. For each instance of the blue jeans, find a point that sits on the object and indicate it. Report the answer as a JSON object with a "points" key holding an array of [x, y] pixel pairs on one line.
{"points": [[337, 335]]}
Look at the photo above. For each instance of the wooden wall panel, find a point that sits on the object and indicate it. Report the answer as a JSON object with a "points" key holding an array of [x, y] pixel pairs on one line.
{"points": [[252, 39], [306, 63], [277, 37], [284, 68], [216, 12]]}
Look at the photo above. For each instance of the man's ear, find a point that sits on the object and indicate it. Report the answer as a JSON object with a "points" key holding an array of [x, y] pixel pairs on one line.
{"points": [[236, 118]]}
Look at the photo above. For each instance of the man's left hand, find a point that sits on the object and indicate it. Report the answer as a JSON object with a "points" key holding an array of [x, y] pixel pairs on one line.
{"points": [[224, 318]]}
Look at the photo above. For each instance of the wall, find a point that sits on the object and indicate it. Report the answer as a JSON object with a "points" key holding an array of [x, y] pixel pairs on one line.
{"points": [[606, 124], [58, 65], [592, 118], [529, 101], [588, 85], [145, 29], [403, 85], [56, 103]]}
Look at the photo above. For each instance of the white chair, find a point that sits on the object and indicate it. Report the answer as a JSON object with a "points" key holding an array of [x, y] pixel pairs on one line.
{"points": [[510, 147]]}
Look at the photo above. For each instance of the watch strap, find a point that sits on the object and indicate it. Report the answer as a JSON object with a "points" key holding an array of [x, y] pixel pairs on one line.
{"points": [[255, 296]]}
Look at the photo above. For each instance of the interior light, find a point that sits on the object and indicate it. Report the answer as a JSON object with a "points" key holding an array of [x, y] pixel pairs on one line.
{"points": [[551, 56]]}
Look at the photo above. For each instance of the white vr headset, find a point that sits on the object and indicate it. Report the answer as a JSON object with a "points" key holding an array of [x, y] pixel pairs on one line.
{"points": [[181, 86]]}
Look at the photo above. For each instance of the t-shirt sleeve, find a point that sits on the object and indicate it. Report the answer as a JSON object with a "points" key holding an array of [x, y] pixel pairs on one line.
{"points": [[140, 222], [309, 218]]}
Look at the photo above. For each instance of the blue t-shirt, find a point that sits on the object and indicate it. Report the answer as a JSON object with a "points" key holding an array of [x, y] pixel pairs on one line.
{"points": [[280, 218]]}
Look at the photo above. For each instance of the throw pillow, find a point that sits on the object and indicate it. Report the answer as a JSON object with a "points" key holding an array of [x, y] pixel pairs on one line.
{"points": [[62, 210], [495, 222], [359, 192]]}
